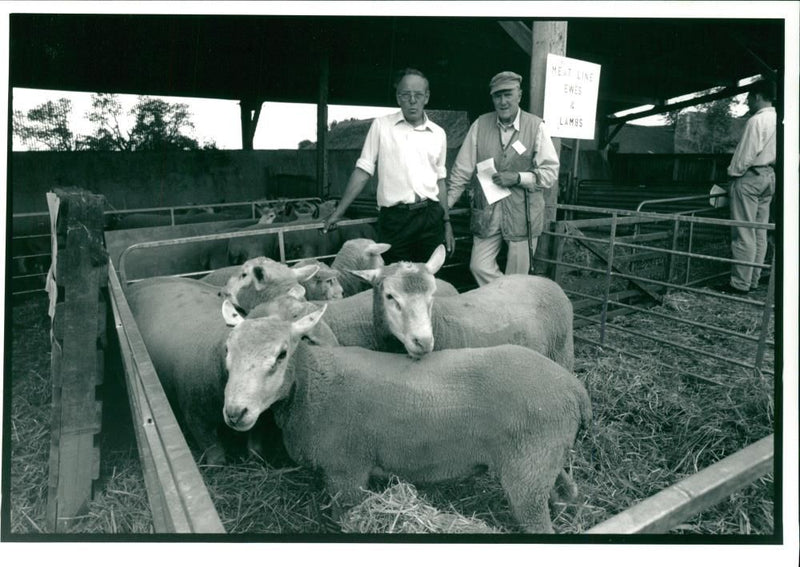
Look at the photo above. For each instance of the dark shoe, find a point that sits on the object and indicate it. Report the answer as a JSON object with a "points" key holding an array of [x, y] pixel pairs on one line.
{"points": [[728, 288]]}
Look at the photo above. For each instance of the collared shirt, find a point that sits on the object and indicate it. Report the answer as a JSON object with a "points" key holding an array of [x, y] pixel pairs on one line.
{"points": [[544, 165], [410, 160], [757, 146]]}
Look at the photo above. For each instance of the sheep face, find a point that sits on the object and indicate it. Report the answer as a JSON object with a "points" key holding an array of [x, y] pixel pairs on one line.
{"points": [[323, 287], [258, 351], [261, 279], [403, 301]]}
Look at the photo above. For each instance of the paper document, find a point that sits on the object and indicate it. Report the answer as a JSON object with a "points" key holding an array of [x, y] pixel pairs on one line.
{"points": [[492, 191]]}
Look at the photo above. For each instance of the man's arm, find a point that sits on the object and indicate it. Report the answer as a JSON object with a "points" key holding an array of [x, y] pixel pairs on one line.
{"points": [[449, 240], [746, 151], [464, 166], [544, 165], [358, 179], [365, 168]]}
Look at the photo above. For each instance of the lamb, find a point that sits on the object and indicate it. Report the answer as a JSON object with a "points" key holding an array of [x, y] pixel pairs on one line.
{"points": [[325, 284], [259, 280], [195, 353], [358, 254], [353, 413], [525, 310], [365, 254]]}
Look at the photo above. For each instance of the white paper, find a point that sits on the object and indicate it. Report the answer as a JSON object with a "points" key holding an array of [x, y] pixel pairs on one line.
{"points": [[519, 147], [491, 190]]}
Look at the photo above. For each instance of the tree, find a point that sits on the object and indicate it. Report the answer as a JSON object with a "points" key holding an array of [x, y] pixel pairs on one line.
{"points": [[157, 125], [46, 125], [710, 129]]}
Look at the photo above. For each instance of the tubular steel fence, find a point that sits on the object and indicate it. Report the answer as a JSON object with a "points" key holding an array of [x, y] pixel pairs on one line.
{"points": [[618, 259]]}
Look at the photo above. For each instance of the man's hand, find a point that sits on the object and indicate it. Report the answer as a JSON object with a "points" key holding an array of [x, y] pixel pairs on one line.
{"points": [[506, 178], [330, 222], [449, 240]]}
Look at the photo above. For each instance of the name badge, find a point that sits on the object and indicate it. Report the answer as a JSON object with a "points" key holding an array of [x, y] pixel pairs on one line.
{"points": [[519, 147]]}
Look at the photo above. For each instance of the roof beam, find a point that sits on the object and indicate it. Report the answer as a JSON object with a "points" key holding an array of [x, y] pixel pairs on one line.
{"points": [[520, 33], [725, 92]]}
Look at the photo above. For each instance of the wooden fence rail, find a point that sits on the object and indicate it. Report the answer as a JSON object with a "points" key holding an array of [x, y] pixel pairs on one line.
{"points": [[683, 500]]}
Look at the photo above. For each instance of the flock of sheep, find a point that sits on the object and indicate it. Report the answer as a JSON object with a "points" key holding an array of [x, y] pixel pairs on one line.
{"points": [[372, 370]]}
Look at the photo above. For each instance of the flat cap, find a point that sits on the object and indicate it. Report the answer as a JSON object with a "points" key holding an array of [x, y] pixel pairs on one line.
{"points": [[504, 80]]}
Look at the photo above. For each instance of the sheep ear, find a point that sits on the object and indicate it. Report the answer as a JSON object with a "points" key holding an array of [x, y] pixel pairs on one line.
{"points": [[378, 248], [232, 315], [369, 276], [297, 291], [304, 325], [304, 273], [437, 259]]}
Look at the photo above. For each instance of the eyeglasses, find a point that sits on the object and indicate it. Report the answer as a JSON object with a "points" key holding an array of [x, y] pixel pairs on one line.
{"points": [[406, 96]]}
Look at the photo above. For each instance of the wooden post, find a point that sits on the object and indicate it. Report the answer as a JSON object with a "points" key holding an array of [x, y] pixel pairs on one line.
{"points": [[548, 37], [322, 127], [80, 276], [249, 122]]}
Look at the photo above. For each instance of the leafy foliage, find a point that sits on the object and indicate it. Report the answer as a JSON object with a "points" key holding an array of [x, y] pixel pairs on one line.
{"points": [[46, 126], [157, 126]]}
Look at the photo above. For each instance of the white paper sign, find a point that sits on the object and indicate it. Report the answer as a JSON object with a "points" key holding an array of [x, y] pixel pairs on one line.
{"points": [[519, 147], [570, 97], [492, 191]]}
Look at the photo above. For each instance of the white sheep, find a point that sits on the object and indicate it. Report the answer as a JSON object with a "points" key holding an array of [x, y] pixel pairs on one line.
{"points": [[531, 311], [358, 254], [325, 284], [353, 412], [260, 279], [195, 353]]}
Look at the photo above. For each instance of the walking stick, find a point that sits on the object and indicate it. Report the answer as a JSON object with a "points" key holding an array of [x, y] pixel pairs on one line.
{"points": [[528, 231]]}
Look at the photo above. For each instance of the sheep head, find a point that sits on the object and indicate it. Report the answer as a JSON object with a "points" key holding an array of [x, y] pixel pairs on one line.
{"points": [[261, 279], [258, 351], [403, 301], [324, 285]]}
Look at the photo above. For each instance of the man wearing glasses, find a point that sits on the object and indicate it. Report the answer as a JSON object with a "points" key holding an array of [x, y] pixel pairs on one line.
{"points": [[409, 152]]}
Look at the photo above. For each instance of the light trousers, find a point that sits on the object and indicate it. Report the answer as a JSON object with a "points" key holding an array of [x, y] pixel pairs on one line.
{"points": [[483, 261], [750, 196]]}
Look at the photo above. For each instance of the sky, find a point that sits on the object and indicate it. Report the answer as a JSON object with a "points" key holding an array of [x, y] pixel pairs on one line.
{"points": [[280, 126]]}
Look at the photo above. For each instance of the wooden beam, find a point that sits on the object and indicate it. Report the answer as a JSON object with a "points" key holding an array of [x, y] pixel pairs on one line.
{"points": [[249, 113], [519, 32], [546, 37], [322, 126], [692, 495]]}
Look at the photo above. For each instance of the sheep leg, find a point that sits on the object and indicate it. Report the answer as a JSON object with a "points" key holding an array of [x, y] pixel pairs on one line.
{"points": [[528, 477], [345, 488], [207, 440]]}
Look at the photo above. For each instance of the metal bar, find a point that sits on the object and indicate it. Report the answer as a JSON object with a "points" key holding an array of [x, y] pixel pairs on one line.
{"points": [[670, 268], [671, 200], [690, 496], [698, 324], [681, 371], [607, 290], [174, 484], [226, 235], [638, 216], [765, 317], [674, 344]]}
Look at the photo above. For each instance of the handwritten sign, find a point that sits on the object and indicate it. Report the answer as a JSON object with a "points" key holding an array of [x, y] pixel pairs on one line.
{"points": [[570, 97]]}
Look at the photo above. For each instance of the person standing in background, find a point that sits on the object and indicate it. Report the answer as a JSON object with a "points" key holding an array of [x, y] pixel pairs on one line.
{"points": [[409, 151], [752, 188], [526, 162]]}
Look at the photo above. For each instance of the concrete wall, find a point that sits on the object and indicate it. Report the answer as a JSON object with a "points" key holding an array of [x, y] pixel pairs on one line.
{"points": [[155, 179]]}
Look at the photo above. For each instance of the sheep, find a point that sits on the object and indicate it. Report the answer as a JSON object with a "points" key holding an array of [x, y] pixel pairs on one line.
{"points": [[195, 353], [358, 254], [354, 413], [517, 309], [325, 284], [259, 280], [365, 254]]}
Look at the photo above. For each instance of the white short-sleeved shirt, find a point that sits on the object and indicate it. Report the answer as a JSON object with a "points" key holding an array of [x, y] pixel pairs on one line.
{"points": [[410, 160]]}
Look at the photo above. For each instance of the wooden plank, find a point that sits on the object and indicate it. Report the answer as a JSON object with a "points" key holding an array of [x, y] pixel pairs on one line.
{"points": [[178, 496], [76, 415], [692, 495]]}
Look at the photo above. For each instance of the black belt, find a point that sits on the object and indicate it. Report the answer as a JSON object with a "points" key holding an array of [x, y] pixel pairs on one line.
{"points": [[412, 206]]}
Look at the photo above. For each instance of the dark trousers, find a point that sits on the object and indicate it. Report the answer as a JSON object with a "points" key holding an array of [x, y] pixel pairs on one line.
{"points": [[414, 231]]}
